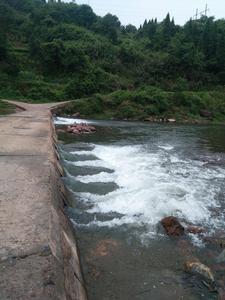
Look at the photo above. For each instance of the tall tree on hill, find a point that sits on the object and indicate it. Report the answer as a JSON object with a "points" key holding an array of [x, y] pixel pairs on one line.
{"points": [[168, 29], [109, 25], [3, 46]]}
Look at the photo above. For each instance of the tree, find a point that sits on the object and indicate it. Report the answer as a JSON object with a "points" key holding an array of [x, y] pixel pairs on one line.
{"points": [[128, 29], [168, 30], [185, 58], [109, 25], [3, 46], [74, 59], [51, 55]]}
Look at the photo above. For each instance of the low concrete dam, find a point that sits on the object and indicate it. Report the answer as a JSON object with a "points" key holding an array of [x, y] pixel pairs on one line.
{"points": [[38, 254]]}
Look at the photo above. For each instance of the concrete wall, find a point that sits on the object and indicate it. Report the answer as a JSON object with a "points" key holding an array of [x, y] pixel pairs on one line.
{"points": [[63, 240]]}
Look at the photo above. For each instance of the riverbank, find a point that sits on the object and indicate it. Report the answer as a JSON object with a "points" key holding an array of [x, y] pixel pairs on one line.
{"points": [[38, 253], [152, 104]]}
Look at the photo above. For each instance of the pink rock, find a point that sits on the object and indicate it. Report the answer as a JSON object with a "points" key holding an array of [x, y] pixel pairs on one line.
{"points": [[81, 128], [75, 131]]}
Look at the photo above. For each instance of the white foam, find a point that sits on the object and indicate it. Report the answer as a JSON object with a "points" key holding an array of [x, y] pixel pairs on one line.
{"points": [[166, 147], [81, 152], [111, 223], [70, 121], [90, 163], [100, 177], [196, 240], [152, 186]]}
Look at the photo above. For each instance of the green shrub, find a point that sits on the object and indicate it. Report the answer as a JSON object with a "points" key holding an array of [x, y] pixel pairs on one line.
{"points": [[151, 110], [127, 111]]}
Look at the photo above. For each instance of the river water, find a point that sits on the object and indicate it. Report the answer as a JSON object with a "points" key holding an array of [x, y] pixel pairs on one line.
{"points": [[122, 181]]}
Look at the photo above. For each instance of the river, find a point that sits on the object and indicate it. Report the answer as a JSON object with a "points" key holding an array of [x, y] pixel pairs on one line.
{"points": [[122, 181]]}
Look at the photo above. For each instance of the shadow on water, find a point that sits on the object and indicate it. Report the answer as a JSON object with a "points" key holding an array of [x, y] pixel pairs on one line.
{"points": [[147, 172]]}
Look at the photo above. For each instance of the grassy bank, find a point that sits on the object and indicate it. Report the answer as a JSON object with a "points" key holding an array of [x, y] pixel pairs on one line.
{"points": [[152, 104]]}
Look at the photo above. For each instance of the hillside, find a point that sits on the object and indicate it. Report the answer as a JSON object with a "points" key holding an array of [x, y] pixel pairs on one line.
{"points": [[58, 51]]}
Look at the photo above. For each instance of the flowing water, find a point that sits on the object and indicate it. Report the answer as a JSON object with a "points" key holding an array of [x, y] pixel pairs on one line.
{"points": [[122, 181]]}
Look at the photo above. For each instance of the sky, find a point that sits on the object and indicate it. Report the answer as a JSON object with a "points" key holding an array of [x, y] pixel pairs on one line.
{"points": [[136, 11]]}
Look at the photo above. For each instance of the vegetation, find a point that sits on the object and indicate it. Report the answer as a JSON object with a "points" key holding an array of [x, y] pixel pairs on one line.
{"points": [[53, 51], [151, 104], [6, 108]]}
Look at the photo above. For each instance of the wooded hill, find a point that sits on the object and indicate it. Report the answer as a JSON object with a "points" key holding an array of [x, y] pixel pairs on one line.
{"points": [[56, 51]]}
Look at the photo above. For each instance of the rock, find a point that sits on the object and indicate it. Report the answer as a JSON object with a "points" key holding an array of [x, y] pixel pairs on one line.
{"points": [[75, 131], [198, 268], [69, 129], [221, 258], [206, 114], [149, 119], [80, 128], [76, 115], [171, 120], [195, 121], [195, 229], [172, 226]]}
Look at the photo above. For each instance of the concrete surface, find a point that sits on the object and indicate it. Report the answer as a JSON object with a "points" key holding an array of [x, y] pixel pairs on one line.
{"points": [[29, 268]]}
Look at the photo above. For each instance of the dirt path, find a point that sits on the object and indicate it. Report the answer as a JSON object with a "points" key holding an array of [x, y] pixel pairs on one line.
{"points": [[27, 268]]}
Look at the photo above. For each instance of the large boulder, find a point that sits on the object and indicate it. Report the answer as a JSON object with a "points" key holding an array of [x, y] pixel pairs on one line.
{"points": [[172, 226]]}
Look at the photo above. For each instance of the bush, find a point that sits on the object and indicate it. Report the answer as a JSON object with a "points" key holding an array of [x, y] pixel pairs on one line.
{"points": [[151, 110], [181, 84], [186, 99], [128, 111], [95, 81]]}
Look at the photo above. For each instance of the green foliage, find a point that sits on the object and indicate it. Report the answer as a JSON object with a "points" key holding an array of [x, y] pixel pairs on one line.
{"points": [[52, 50], [94, 81], [151, 102], [87, 106], [3, 46]]}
